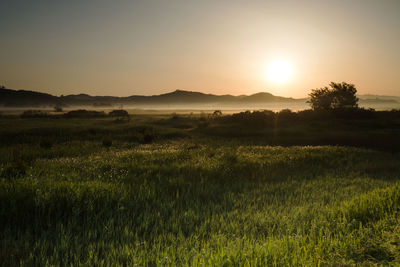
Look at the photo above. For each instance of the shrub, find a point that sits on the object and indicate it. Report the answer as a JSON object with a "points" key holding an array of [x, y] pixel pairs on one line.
{"points": [[353, 113], [286, 115], [255, 118]]}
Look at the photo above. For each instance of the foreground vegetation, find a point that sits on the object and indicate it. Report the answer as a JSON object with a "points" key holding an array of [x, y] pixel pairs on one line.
{"points": [[199, 190]]}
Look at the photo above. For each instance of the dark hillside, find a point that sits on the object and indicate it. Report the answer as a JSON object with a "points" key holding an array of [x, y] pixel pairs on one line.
{"points": [[12, 98]]}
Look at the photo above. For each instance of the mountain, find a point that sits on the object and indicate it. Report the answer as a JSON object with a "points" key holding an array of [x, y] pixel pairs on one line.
{"points": [[369, 98], [25, 98], [265, 97], [9, 97], [378, 97]]}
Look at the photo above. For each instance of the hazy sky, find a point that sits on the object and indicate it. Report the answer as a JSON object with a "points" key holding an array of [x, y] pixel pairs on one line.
{"points": [[151, 47]]}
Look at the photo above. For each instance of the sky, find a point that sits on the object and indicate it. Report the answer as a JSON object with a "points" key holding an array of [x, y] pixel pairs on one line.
{"points": [[150, 47]]}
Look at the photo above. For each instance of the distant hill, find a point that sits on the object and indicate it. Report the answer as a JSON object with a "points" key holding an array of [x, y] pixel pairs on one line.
{"points": [[379, 99], [12, 98], [25, 98], [266, 97], [15, 98]]}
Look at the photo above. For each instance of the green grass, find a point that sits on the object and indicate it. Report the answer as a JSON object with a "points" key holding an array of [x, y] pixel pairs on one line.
{"points": [[191, 199]]}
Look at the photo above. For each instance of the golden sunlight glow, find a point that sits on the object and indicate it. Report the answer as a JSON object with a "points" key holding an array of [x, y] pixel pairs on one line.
{"points": [[278, 71]]}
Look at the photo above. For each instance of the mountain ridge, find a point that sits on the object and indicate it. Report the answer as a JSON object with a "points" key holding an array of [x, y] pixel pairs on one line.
{"points": [[21, 98], [11, 97]]}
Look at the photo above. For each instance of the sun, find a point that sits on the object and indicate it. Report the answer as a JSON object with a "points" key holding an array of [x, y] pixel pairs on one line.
{"points": [[278, 71]]}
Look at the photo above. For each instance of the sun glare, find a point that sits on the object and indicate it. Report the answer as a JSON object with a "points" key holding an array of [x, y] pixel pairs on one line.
{"points": [[278, 71]]}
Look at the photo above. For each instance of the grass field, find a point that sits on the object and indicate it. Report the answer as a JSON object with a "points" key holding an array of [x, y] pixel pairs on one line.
{"points": [[171, 190]]}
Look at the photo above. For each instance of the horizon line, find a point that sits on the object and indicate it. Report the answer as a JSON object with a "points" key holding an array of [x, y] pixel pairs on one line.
{"points": [[183, 90]]}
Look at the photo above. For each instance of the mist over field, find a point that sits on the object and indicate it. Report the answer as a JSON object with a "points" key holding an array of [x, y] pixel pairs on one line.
{"points": [[17, 101]]}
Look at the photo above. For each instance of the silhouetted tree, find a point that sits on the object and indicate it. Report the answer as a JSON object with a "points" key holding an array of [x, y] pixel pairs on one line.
{"points": [[321, 98], [344, 95], [338, 96]]}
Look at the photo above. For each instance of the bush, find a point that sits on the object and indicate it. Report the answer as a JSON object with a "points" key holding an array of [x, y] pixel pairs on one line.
{"points": [[255, 118], [353, 113], [286, 115]]}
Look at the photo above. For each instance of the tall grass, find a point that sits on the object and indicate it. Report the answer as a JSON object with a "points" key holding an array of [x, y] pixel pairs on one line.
{"points": [[198, 191], [216, 203]]}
